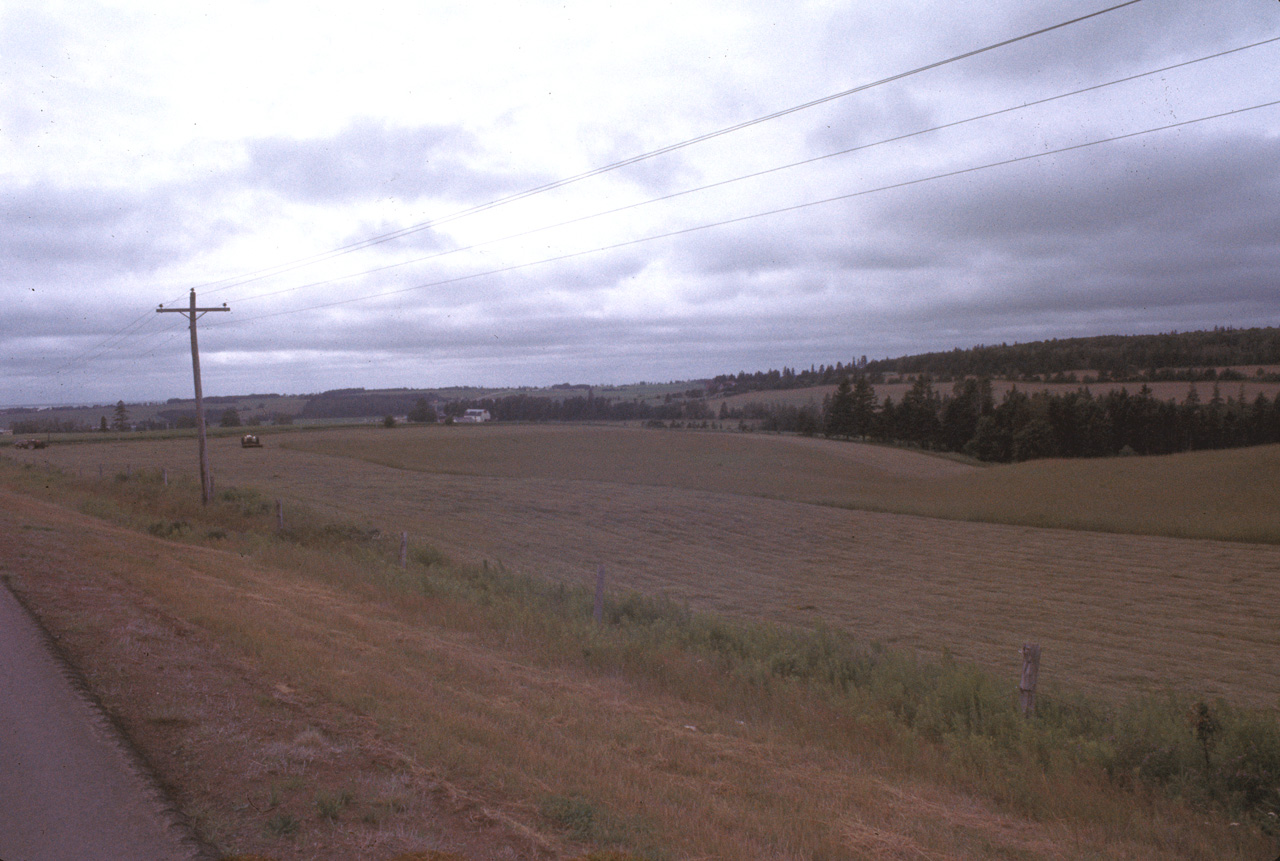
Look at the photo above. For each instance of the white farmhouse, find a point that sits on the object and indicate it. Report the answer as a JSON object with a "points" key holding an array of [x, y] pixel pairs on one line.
{"points": [[475, 416]]}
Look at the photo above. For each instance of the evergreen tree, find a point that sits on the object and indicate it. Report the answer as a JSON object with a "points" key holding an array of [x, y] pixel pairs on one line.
{"points": [[422, 412], [917, 419], [120, 418], [862, 407], [838, 419], [970, 400]]}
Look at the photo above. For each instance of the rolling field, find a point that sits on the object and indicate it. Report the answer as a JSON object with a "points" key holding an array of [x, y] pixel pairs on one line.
{"points": [[779, 528]]}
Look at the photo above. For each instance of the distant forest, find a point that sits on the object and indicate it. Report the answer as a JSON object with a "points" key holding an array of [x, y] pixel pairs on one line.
{"points": [[1184, 356], [1026, 426], [357, 403]]}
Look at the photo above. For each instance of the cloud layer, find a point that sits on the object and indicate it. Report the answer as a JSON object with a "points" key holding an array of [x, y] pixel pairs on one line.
{"points": [[142, 163]]}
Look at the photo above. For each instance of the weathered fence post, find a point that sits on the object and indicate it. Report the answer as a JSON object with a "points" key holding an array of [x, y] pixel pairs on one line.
{"points": [[404, 549], [597, 612], [1030, 674], [99, 470], [164, 475], [280, 515]]}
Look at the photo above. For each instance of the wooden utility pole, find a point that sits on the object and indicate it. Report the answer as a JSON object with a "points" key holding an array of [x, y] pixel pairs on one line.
{"points": [[193, 313]]}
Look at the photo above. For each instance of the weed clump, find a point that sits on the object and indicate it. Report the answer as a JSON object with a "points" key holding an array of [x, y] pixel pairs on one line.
{"points": [[584, 822], [329, 805], [282, 825], [168, 529], [248, 502]]}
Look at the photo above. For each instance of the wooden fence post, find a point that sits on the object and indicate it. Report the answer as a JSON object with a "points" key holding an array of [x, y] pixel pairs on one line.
{"points": [[404, 549], [597, 611], [280, 515], [164, 475], [1030, 674]]}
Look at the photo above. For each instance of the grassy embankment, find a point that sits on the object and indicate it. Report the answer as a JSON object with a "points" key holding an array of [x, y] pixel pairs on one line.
{"points": [[676, 734]]}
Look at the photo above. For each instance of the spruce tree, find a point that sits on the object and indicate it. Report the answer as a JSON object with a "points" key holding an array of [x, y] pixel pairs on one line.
{"points": [[863, 407], [838, 418]]}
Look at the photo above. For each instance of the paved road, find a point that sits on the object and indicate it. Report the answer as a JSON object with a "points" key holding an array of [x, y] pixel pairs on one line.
{"points": [[68, 789]]}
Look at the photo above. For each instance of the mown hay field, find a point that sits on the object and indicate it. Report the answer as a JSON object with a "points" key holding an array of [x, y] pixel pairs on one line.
{"points": [[809, 531]]}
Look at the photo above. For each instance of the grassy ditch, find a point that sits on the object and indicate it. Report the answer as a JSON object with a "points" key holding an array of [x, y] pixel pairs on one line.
{"points": [[775, 715]]}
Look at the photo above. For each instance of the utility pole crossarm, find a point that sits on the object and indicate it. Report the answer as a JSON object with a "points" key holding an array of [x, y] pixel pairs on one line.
{"points": [[191, 310], [193, 313]]}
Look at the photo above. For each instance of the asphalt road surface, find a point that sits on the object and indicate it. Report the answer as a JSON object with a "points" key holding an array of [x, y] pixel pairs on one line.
{"points": [[69, 790]]}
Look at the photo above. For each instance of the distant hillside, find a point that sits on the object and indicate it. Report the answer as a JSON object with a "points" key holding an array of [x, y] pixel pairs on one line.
{"points": [[1118, 357], [559, 402], [1219, 354]]}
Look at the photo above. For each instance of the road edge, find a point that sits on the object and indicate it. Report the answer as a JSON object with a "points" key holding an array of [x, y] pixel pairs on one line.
{"points": [[174, 820]]}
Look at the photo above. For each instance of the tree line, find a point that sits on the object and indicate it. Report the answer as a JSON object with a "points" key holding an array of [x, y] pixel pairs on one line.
{"points": [[1026, 426], [1122, 358], [1176, 356]]}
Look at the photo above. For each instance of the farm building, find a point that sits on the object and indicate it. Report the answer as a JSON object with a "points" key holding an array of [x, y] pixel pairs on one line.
{"points": [[475, 416]]}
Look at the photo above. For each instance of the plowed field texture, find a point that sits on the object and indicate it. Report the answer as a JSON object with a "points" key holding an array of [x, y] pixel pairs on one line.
{"points": [[1141, 579]]}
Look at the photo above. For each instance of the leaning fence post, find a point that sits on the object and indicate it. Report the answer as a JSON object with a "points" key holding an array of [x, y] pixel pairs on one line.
{"points": [[1030, 674], [598, 611], [404, 549]]}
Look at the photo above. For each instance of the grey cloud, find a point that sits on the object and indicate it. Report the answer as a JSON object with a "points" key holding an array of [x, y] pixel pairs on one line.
{"points": [[371, 161], [1224, 186], [47, 229], [1124, 40]]}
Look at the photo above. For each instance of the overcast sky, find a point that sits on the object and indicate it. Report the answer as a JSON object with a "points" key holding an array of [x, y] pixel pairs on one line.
{"points": [[149, 148]]}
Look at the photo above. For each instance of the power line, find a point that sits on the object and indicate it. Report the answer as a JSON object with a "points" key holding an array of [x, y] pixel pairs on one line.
{"points": [[757, 174], [142, 350], [89, 355], [235, 281], [781, 210]]}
